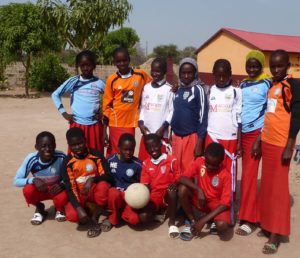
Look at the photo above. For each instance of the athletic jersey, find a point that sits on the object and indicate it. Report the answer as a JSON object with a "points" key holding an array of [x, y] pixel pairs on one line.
{"points": [[215, 186], [124, 173], [190, 111], [122, 98], [224, 115], [85, 98], [156, 106], [49, 172], [160, 173], [77, 171], [254, 104], [282, 119]]}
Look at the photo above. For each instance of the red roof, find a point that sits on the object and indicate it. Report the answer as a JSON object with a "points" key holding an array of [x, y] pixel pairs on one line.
{"points": [[261, 41]]}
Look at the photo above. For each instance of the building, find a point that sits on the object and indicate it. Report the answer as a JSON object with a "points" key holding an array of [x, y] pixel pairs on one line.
{"points": [[234, 45]]}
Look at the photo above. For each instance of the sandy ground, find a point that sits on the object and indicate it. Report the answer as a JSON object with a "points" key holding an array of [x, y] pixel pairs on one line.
{"points": [[21, 120]]}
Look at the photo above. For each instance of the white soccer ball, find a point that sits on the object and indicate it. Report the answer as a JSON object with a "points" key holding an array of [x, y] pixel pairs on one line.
{"points": [[137, 195]]}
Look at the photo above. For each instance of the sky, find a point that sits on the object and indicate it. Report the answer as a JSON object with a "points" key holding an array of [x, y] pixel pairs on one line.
{"points": [[192, 22]]}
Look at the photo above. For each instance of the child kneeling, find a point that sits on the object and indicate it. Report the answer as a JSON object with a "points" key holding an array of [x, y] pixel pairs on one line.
{"points": [[206, 186]]}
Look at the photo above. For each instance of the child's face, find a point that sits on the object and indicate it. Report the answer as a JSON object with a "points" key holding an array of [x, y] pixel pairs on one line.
{"points": [[157, 72], [126, 150], [187, 73], [46, 148], [279, 66], [222, 76], [86, 67], [78, 146], [253, 68], [153, 148], [121, 61], [212, 164]]}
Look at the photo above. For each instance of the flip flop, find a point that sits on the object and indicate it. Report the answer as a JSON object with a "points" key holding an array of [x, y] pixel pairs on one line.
{"points": [[173, 232], [60, 217], [94, 231], [213, 229], [186, 234], [38, 218], [106, 225], [270, 248], [244, 230]]}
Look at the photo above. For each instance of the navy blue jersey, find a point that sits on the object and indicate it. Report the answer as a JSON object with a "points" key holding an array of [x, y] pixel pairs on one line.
{"points": [[124, 173]]}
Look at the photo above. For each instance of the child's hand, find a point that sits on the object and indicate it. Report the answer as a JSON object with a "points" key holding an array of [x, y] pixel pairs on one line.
{"points": [[256, 149], [55, 189], [286, 156], [105, 139], [83, 217], [172, 187], [198, 151], [87, 186], [160, 131], [40, 185], [239, 152], [174, 88], [98, 116], [144, 129], [198, 226], [201, 198], [68, 117]]}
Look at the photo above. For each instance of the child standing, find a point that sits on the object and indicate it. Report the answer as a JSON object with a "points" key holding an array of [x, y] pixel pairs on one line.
{"points": [[86, 91], [224, 115], [126, 170], [87, 178], [189, 121], [206, 185], [254, 91], [281, 126], [45, 184], [121, 100], [156, 106], [160, 173]]}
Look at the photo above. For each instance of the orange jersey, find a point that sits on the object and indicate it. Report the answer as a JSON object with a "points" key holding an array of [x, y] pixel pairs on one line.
{"points": [[121, 98], [77, 171], [277, 119]]}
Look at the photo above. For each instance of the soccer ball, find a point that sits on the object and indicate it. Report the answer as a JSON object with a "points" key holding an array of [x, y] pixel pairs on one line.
{"points": [[137, 195]]}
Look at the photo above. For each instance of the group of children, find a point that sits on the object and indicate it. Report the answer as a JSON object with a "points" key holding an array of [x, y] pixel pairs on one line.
{"points": [[206, 129]]}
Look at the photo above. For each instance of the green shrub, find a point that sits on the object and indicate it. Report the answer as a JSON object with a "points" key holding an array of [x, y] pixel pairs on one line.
{"points": [[47, 73]]}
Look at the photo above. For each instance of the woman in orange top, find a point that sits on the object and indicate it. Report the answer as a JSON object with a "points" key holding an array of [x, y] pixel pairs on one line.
{"points": [[121, 100], [277, 140]]}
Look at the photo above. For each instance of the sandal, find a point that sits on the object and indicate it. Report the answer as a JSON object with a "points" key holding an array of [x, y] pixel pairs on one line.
{"points": [[270, 248], [173, 232], [213, 229], [106, 225], [186, 234], [94, 231], [38, 218], [245, 229], [60, 216]]}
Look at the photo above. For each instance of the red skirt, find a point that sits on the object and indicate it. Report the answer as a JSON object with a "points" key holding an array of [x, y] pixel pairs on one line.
{"points": [[143, 154], [114, 136], [248, 199], [93, 135], [274, 198], [183, 149]]}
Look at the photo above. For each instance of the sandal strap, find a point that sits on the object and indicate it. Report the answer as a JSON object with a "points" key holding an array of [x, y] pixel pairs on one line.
{"points": [[246, 228]]}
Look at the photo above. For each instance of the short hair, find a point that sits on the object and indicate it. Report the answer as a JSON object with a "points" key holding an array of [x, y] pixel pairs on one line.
{"points": [[280, 52], [74, 132], [44, 134], [152, 137], [162, 62], [222, 63], [88, 54], [121, 50], [215, 150], [126, 137]]}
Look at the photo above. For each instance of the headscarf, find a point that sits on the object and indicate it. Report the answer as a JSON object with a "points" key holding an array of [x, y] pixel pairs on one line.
{"points": [[192, 61]]}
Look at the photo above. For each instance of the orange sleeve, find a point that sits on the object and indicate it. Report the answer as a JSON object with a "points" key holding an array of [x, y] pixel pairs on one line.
{"points": [[145, 177], [108, 97]]}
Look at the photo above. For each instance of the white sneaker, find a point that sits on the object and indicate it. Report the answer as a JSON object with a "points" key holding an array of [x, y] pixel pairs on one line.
{"points": [[59, 216]]}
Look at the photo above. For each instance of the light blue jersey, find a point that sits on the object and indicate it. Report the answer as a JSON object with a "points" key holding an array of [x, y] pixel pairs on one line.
{"points": [[49, 172], [85, 98], [254, 95]]}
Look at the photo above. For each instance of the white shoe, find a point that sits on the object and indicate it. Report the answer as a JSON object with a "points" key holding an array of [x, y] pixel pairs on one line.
{"points": [[60, 217]]}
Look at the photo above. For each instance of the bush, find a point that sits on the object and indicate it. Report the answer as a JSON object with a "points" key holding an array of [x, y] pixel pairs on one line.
{"points": [[47, 73]]}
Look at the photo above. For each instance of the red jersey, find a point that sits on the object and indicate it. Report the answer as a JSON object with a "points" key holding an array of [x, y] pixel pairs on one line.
{"points": [[160, 173], [216, 186]]}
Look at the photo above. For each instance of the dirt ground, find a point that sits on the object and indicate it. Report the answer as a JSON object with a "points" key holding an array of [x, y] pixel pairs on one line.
{"points": [[21, 120]]}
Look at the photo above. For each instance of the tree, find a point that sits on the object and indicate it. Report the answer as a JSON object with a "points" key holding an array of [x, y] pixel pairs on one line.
{"points": [[139, 56], [124, 37], [167, 51], [85, 23], [188, 52], [23, 35]]}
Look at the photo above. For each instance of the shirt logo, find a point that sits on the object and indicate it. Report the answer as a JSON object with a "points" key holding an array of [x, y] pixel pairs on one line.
{"points": [[213, 98], [255, 90], [135, 84], [113, 170], [215, 181], [202, 171], [129, 172], [53, 170], [113, 165], [228, 96], [186, 95], [89, 167], [160, 97], [163, 169], [277, 91], [119, 87]]}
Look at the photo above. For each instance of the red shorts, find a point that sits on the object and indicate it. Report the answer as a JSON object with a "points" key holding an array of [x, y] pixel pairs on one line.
{"points": [[158, 198]]}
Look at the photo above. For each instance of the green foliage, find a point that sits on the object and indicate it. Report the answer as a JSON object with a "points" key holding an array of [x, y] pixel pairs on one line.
{"points": [[47, 73], [124, 37], [84, 23], [166, 51], [188, 52]]}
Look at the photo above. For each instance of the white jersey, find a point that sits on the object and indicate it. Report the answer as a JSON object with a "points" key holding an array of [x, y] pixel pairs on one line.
{"points": [[156, 106], [224, 115]]}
